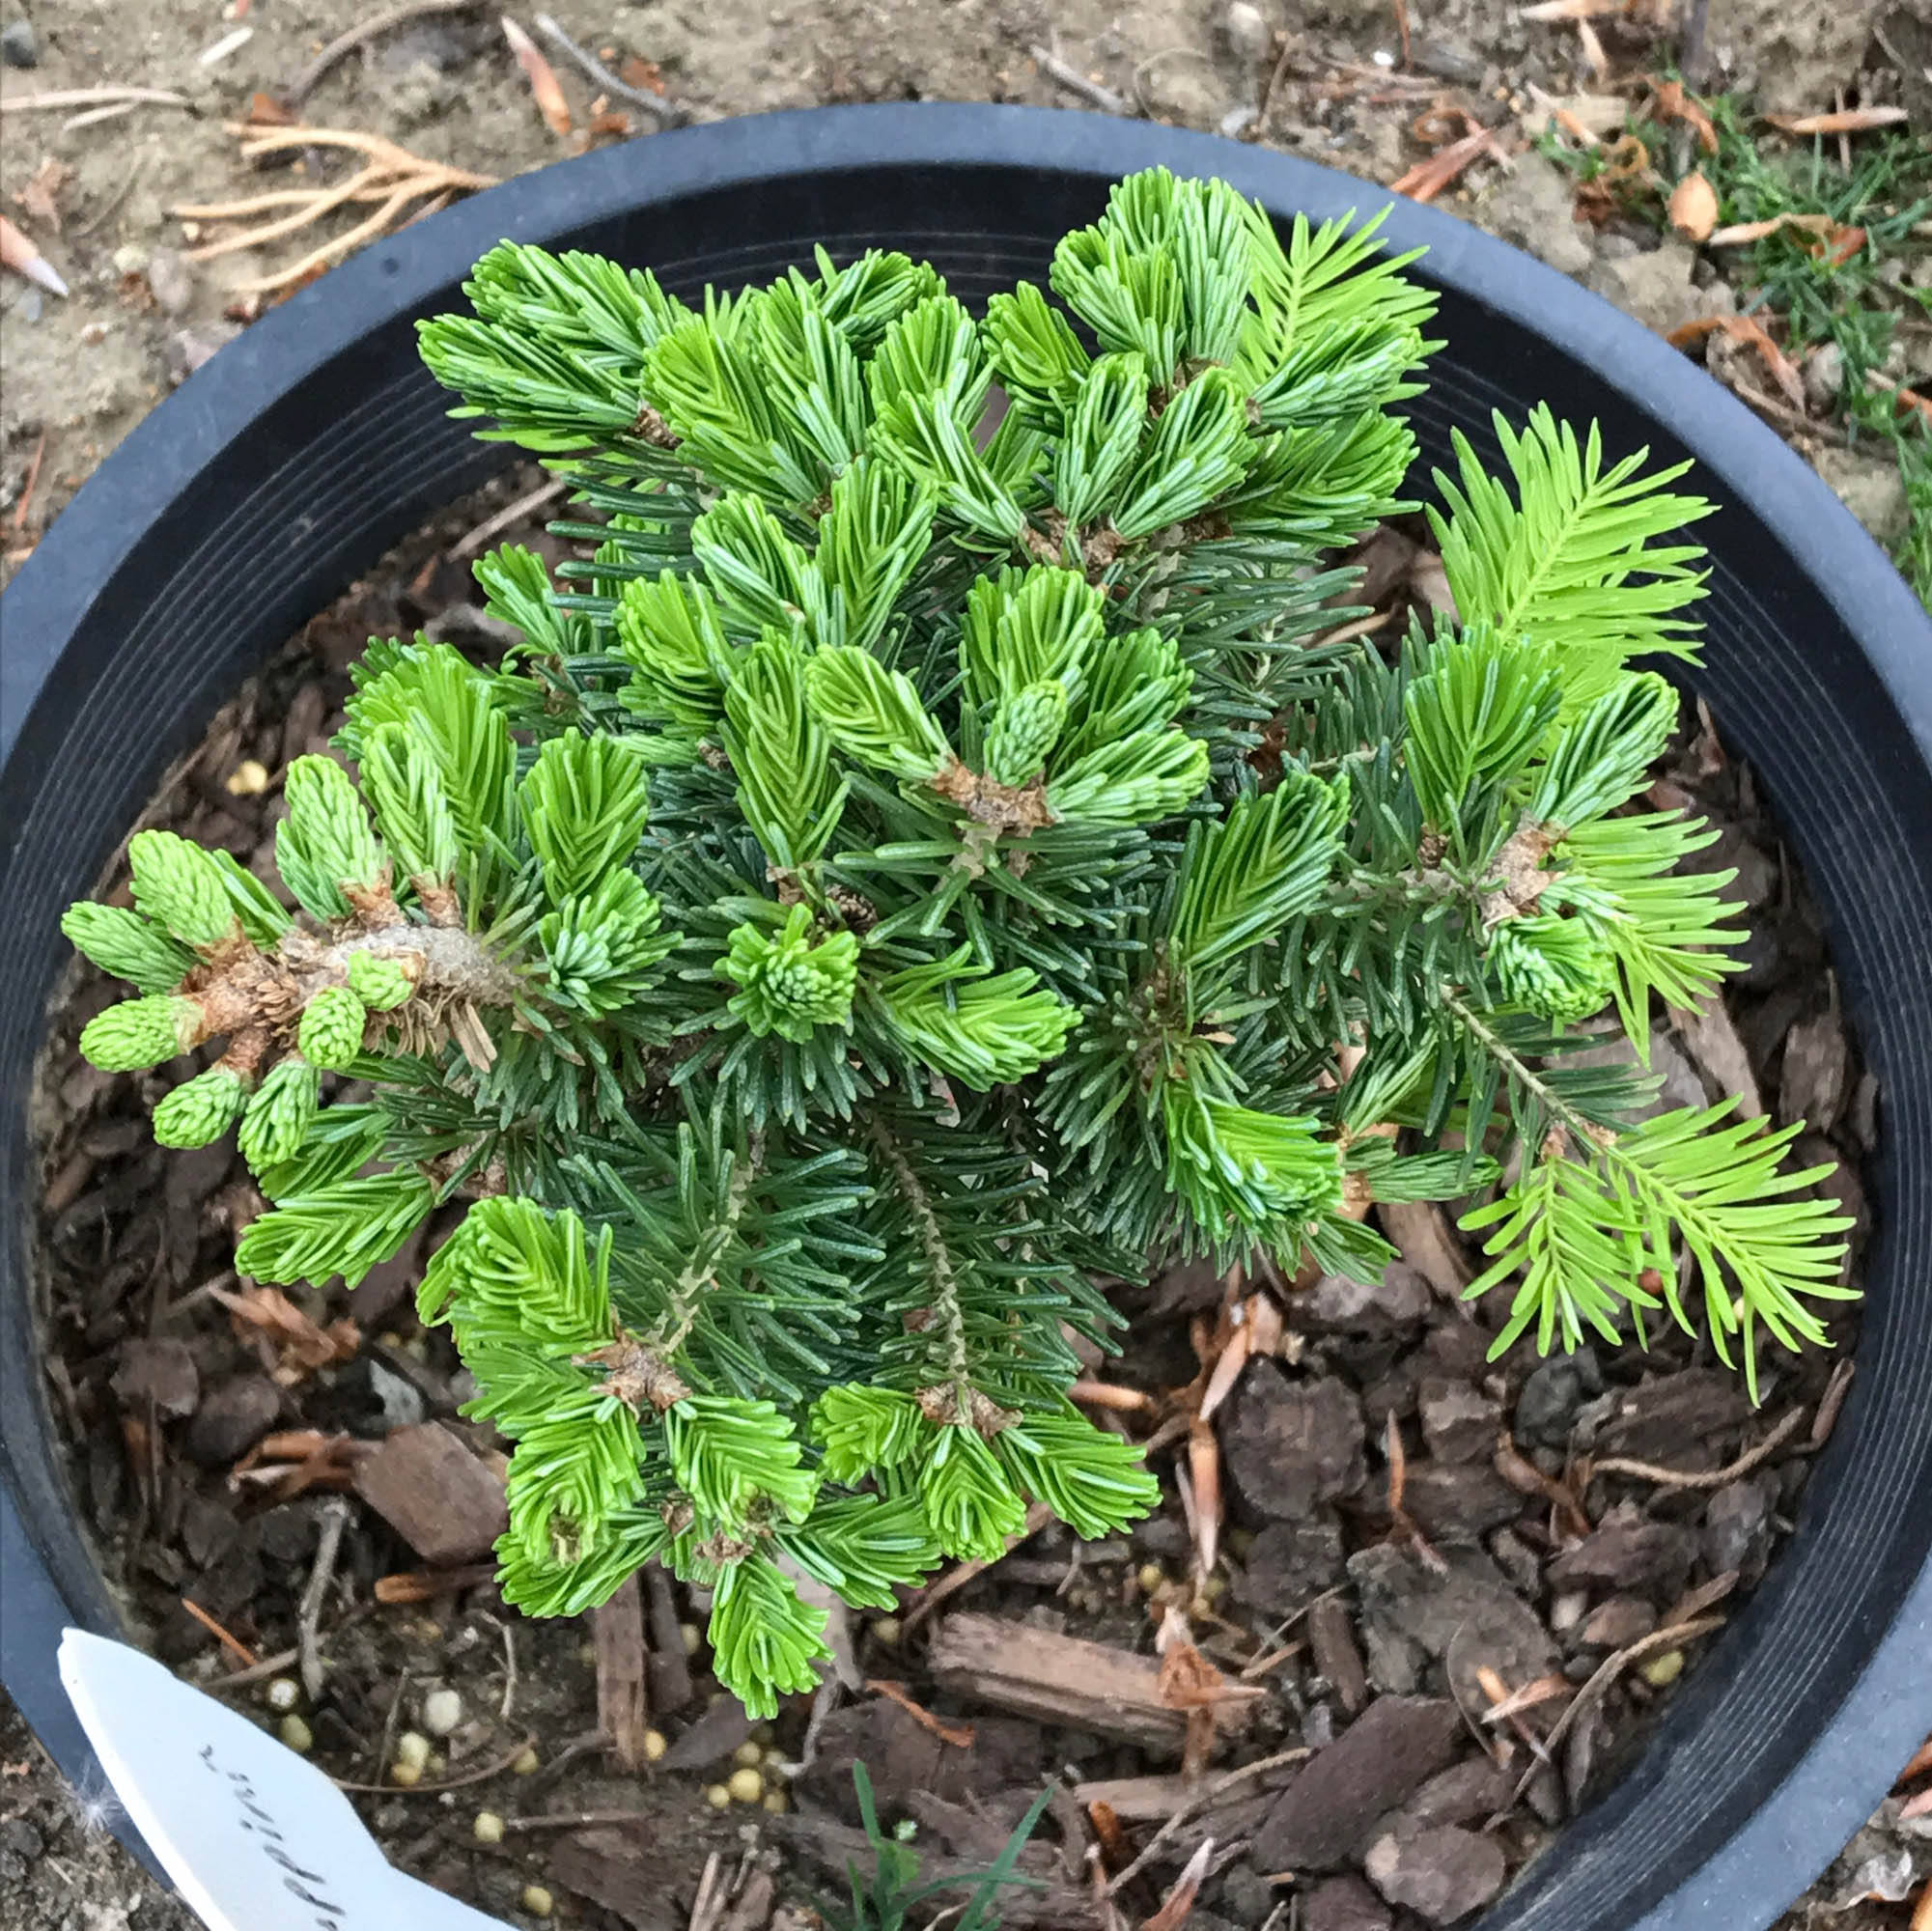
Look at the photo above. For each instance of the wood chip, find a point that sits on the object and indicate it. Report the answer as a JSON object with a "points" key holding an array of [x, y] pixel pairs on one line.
{"points": [[542, 76], [1573, 10], [1447, 166], [425, 1585], [1741, 232], [1063, 1679], [1139, 1800], [20, 254], [1419, 1232], [1844, 121], [300, 1345], [623, 1694], [1694, 207], [442, 1500], [39, 198], [1669, 102], [1712, 1041], [1336, 1654]]}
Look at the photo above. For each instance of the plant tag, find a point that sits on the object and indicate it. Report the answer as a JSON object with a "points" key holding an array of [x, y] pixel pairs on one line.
{"points": [[255, 1838]]}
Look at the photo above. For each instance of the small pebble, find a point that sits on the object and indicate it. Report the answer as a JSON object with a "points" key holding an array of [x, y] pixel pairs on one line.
{"points": [[1661, 1672], [1152, 1578], [295, 1734], [537, 1901], [717, 1797], [488, 1828], [885, 1630], [773, 1759], [526, 1764], [1567, 1610], [747, 1755], [129, 258], [777, 1803], [587, 1652], [1246, 31], [248, 779], [690, 1636], [170, 278], [405, 1776], [283, 1693], [655, 1745], [443, 1712], [17, 45], [745, 1786], [412, 1748]]}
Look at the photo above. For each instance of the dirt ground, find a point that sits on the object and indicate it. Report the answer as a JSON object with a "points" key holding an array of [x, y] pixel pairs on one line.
{"points": [[76, 374], [85, 370]]}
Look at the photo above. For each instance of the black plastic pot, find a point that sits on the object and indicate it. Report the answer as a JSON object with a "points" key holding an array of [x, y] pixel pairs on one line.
{"points": [[249, 499]]}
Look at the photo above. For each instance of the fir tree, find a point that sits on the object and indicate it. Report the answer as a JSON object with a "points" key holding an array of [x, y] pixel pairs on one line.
{"points": [[910, 868]]}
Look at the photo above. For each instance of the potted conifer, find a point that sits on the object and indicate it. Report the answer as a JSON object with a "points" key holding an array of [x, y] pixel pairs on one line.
{"points": [[915, 864], [864, 903]]}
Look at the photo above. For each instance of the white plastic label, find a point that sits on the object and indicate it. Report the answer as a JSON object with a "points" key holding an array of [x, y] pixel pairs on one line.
{"points": [[254, 1837]]}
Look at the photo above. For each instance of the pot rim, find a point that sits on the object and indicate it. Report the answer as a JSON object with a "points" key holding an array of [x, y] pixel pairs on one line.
{"points": [[1767, 1854]]}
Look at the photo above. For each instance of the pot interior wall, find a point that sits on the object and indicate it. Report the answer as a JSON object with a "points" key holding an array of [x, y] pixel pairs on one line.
{"points": [[310, 444]]}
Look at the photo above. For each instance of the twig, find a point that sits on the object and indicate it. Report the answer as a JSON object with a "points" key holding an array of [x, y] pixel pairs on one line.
{"points": [[830, 1693], [897, 1693], [335, 1519], [1830, 1402], [300, 89], [1795, 420], [1062, 75], [234, 1645], [393, 176], [1691, 57], [669, 112], [710, 1900], [1196, 1804], [91, 96], [936, 1592], [256, 1672], [27, 488], [1712, 1478], [389, 1721], [112, 204], [1257, 128], [1179, 1902], [514, 513], [94, 117], [582, 1820], [1593, 1692], [509, 1703], [495, 1767]]}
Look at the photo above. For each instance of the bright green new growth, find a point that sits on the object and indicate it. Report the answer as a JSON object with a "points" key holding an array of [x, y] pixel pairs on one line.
{"points": [[127, 946], [140, 1033], [279, 1114], [787, 984], [201, 1110], [331, 1033], [381, 983], [918, 862]]}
